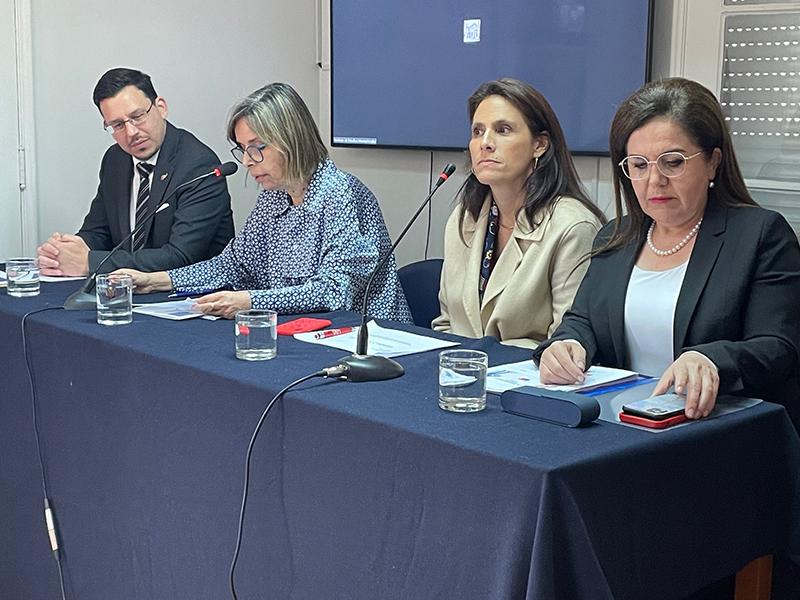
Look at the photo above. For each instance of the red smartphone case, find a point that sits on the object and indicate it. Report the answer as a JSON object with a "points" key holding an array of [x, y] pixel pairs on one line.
{"points": [[652, 424], [302, 325]]}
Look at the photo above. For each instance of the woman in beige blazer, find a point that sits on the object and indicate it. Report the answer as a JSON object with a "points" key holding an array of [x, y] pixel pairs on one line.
{"points": [[515, 248]]}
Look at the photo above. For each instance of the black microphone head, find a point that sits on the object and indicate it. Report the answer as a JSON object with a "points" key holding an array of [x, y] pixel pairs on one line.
{"points": [[226, 169], [448, 170]]}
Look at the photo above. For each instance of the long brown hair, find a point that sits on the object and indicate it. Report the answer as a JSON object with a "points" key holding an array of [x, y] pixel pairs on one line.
{"points": [[697, 111], [555, 173]]}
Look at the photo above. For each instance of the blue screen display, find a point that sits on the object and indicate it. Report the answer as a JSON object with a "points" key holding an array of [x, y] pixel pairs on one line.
{"points": [[402, 71]]}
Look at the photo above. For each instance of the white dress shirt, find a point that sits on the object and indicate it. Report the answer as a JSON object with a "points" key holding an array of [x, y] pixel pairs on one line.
{"points": [[135, 185], [650, 316]]}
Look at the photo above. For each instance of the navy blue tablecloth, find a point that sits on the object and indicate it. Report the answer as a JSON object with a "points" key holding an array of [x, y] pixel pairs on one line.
{"points": [[358, 490]]}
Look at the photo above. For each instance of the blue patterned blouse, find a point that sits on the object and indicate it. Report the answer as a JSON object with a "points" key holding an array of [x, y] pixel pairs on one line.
{"points": [[312, 257]]}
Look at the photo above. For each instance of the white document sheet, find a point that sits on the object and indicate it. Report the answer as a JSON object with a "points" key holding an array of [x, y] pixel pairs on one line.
{"points": [[506, 377], [382, 341], [179, 310], [45, 278], [51, 279]]}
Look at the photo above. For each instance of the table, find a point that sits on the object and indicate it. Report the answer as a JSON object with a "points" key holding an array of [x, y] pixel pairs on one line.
{"points": [[359, 490]]}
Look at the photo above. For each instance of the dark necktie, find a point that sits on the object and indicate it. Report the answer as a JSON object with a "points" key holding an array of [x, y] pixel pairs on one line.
{"points": [[141, 202]]}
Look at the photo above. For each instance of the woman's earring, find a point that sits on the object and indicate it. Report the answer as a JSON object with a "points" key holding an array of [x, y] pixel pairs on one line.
{"points": [[710, 184], [535, 162]]}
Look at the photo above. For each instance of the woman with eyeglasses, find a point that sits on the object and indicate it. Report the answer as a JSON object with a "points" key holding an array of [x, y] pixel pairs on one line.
{"points": [[313, 237], [696, 284]]}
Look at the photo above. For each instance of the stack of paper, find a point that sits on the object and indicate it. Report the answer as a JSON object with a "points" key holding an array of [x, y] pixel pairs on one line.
{"points": [[506, 377]]}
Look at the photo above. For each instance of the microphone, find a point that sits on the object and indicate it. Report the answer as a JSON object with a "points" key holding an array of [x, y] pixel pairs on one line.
{"points": [[360, 366], [84, 299], [224, 170]]}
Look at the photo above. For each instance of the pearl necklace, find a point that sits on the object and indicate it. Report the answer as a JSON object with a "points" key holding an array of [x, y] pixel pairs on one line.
{"points": [[677, 246]]}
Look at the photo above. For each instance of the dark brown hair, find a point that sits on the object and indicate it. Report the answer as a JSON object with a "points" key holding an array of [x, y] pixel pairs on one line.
{"points": [[697, 111], [555, 173], [113, 81]]}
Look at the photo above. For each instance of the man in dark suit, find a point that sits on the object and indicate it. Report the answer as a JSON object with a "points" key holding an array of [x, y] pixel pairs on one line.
{"points": [[150, 159]]}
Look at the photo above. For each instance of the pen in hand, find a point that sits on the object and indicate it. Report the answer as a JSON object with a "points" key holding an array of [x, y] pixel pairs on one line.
{"points": [[321, 335]]}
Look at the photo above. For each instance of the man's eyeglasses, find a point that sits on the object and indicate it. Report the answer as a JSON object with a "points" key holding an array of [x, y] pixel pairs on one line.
{"points": [[669, 164], [254, 152], [137, 118]]}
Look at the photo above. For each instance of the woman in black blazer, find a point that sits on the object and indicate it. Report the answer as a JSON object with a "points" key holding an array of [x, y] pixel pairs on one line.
{"points": [[695, 262]]}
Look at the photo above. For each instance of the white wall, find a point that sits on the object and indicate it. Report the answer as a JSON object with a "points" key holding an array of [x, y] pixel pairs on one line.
{"points": [[10, 213], [202, 58]]}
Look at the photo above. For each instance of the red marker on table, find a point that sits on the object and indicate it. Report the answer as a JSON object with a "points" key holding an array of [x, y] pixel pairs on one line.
{"points": [[321, 335]]}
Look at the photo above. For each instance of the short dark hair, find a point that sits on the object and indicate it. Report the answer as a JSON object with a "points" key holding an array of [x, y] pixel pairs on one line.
{"points": [[113, 80], [695, 109], [555, 174]]}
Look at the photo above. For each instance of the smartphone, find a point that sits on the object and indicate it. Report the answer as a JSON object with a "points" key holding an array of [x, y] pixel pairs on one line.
{"points": [[302, 325], [657, 408], [652, 423]]}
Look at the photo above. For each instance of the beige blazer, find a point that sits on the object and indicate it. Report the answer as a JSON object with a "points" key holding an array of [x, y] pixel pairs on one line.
{"points": [[532, 284]]}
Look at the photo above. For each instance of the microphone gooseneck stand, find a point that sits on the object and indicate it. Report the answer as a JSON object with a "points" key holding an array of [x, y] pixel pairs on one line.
{"points": [[361, 366]]}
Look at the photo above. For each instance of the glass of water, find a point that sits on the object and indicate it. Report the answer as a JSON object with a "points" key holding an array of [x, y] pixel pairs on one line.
{"points": [[22, 276], [114, 299], [256, 334], [462, 380]]}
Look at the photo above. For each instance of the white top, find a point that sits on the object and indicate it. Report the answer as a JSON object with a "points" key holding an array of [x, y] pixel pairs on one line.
{"points": [[650, 316], [135, 186]]}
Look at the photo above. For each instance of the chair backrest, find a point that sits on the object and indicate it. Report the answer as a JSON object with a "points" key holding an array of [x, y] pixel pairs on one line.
{"points": [[420, 281]]}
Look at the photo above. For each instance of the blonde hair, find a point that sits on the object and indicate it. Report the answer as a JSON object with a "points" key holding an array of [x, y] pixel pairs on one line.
{"points": [[278, 116]]}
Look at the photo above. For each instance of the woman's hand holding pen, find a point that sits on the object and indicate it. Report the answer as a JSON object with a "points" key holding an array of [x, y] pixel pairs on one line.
{"points": [[563, 363]]}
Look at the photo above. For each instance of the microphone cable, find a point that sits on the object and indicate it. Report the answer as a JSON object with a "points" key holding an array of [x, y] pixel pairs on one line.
{"points": [[48, 511], [333, 372]]}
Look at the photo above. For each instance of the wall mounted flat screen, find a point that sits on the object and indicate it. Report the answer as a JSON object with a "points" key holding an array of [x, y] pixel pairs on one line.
{"points": [[402, 71]]}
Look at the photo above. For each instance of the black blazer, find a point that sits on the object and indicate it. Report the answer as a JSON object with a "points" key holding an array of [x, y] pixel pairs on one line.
{"points": [[197, 224], [739, 304]]}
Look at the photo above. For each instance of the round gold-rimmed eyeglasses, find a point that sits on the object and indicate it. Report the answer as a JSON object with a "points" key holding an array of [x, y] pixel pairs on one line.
{"points": [[669, 164]]}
